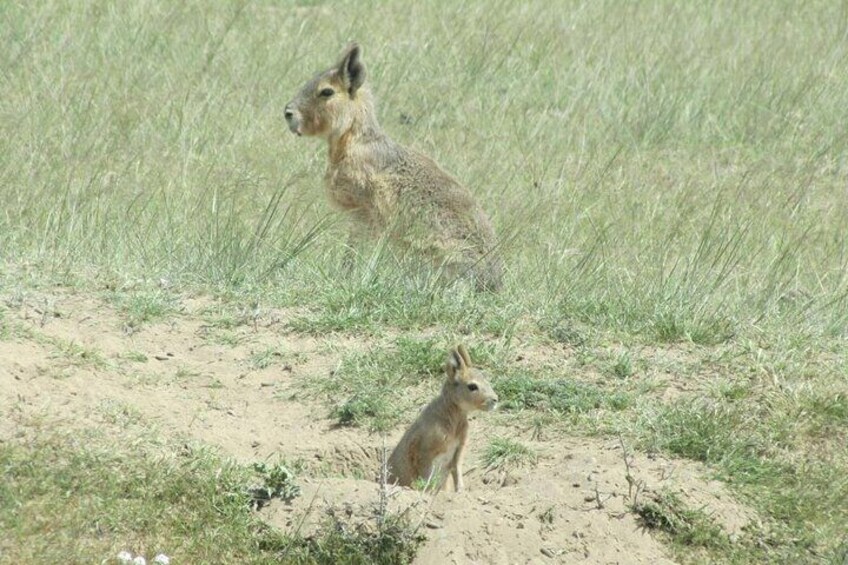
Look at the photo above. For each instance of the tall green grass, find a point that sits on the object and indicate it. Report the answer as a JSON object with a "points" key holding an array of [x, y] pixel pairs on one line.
{"points": [[670, 168]]}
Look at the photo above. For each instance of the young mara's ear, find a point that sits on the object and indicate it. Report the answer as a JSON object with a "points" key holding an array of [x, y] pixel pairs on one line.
{"points": [[456, 364], [465, 357], [351, 69]]}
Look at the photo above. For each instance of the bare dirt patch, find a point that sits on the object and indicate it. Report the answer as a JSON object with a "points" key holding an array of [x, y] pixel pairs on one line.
{"points": [[70, 357]]}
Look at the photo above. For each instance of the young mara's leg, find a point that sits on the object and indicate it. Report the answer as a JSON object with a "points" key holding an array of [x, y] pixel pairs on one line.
{"points": [[456, 464]]}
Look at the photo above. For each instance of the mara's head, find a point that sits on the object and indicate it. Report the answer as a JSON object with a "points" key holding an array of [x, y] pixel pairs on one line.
{"points": [[328, 104], [467, 385]]}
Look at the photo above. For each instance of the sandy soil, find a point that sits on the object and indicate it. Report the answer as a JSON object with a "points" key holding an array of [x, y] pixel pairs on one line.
{"points": [[569, 507]]}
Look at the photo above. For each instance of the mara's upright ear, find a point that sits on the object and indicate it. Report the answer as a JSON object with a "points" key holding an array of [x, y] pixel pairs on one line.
{"points": [[464, 353], [351, 69], [457, 364]]}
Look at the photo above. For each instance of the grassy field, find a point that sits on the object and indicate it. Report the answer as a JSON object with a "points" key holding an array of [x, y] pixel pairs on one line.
{"points": [[663, 175]]}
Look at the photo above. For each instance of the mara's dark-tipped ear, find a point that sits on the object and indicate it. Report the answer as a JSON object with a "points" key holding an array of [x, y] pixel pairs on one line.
{"points": [[351, 69], [456, 365]]}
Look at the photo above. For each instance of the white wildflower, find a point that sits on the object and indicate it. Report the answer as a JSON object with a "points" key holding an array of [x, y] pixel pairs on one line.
{"points": [[139, 560], [125, 557], [162, 559]]}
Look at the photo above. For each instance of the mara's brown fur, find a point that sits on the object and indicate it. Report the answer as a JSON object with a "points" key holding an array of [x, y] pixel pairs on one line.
{"points": [[387, 188], [435, 443]]}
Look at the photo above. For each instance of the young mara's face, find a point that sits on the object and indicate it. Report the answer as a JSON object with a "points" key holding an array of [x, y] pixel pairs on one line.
{"points": [[474, 391], [470, 386]]}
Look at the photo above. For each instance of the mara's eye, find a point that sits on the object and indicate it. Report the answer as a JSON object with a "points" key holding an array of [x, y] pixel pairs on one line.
{"points": [[327, 92], [472, 387]]}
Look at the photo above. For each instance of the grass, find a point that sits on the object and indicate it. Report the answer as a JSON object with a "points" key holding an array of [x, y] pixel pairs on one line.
{"points": [[135, 356], [685, 526], [767, 454], [83, 497], [665, 177], [505, 452], [143, 306], [86, 501], [265, 358], [391, 542], [559, 395]]}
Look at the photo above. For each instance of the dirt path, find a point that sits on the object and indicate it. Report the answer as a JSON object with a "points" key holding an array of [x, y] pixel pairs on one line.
{"points": [[72, 357]]}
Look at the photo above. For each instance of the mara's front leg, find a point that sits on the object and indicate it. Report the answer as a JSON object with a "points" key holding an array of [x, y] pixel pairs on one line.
{"points": [[456, 464], [360, 232], [456, 471]]}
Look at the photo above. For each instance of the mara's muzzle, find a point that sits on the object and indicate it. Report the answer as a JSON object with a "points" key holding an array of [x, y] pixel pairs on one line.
{"points": [[293, 119]]}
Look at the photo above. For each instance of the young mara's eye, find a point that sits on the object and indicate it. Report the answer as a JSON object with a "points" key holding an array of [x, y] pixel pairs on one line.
{"points": [[472, 387], [327, 92]]}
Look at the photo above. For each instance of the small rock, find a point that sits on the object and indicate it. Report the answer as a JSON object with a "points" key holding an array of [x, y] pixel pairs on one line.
{"points": [[433, 525], [547, 552]]}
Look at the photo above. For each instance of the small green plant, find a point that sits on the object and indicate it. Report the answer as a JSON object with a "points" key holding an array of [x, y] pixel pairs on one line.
{"points": [[120, 413], [389, 541], [665, 512], [135, 356], [144, 306], [427, 484], [265, 358], [79, 355], [504, 452], [373, 409], [277, 482], [622, 368], [184, 374], [681, 326]]}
